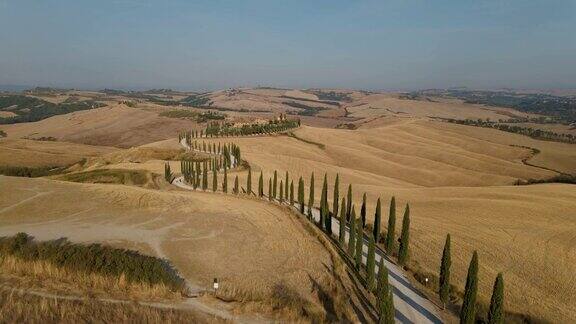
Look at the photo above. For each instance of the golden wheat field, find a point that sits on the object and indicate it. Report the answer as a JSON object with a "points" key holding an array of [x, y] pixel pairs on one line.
{"points": [[252, 248], [458, 180]]}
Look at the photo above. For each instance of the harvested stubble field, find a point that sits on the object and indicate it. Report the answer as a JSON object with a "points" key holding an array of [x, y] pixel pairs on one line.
{"points": [[251, 247], [115, 125], [458, 180]]}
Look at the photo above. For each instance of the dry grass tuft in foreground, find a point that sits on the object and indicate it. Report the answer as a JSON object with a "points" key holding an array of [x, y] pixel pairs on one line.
{"points": [[18, 307]]}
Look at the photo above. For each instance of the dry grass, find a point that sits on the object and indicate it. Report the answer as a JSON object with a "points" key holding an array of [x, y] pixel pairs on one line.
{"points": [[391, 105], [114, 125], [247, 244], [18, 307], [42, 275], [456, 180], [20, 152]]}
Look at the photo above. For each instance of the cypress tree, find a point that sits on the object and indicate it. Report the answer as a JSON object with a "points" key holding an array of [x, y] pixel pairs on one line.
{"points": [[328, 222], [214, 180], [261, 185], [377, 221], [286, 186], [311, 196], [249, 182], [198, 184], [342, 221], [370, 264], [205, 176], [363, 211], [444, 288], [352, 233], [324, 202], [301, 194], [496, 312], [468, 310], [336, 198], [404, 237], [270, 189], [385, 299], [349, 201], [281, 191], [225, 182], [275, 182], [291, 192], [342, 229], [359, 244], [236, 189], [391, 226]]}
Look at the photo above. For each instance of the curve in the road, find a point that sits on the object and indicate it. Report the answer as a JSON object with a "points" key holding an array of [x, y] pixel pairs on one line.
{"points": [[411, 305]]}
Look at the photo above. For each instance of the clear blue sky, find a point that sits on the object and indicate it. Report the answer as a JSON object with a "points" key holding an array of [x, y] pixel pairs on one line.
{"points": [[397, 44]]}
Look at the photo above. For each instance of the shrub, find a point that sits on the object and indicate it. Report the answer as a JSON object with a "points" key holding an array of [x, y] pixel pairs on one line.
{"points": [[94, 258]]}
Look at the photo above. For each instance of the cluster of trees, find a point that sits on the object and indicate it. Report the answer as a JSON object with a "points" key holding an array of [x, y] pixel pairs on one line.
{"points": [[281, 124], [535, 133], [229, 152], [93, 258], [30, 109], [196, 173], [562, 108], [30, 172], [198, 117]]}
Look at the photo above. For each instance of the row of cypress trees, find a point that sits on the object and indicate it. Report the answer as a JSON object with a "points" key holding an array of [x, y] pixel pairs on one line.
{"points": [[379, 286], [215, 129], [468, 309], [226, 150]]}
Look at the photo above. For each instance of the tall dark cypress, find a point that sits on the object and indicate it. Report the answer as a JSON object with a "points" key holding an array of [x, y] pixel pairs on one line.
{"points": [[384, 297], [236, 188], [249, 182], [281, 191], [311, 196], [324, 202], [225, 182], [404, 237], [291, 192], [370, 264], [261, 185], [377, 221], [328, 222], [342, 221], [214, 180], [468, 310], [270, 197], [496, 311], [335, 196], [352, 233], [275, 183], [205, 176], [391, 226], [363, 211], [286, 186], [301, 195], [359, 244], [349, 201], [444, 285]]}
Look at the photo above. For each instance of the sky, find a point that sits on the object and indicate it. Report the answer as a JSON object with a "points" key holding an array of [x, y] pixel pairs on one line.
{"points": [[361, 44]]}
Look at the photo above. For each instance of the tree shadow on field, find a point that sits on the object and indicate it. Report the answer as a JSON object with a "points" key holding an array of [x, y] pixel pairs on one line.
{"points": [[364, 309]]}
